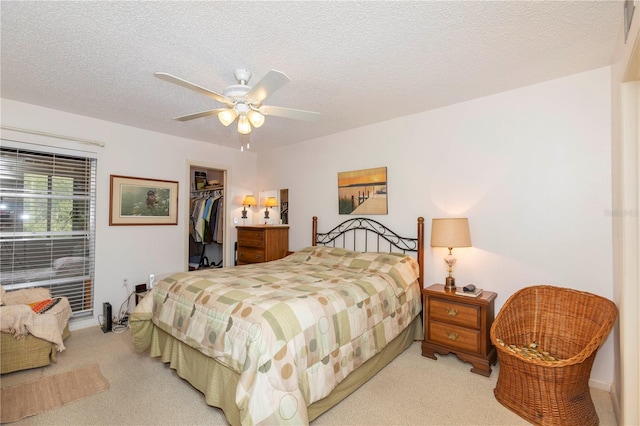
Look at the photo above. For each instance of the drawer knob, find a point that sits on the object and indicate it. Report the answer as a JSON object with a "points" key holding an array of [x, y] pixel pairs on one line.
{"points": [[452, 335], [452, 312]]}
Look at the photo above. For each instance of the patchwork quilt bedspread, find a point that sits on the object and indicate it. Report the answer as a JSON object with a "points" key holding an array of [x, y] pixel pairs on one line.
{"points": [[292, 328]]}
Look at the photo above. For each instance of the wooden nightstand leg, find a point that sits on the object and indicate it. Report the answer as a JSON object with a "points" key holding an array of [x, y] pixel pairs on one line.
{"points": [[428, 352], [483, 371], [481, 366]]}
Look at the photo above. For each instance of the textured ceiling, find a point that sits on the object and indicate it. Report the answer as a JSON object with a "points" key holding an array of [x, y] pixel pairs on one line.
{"points": [[356, 63]]}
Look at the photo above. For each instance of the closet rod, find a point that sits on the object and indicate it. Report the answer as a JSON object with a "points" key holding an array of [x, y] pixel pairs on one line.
{"points": [[54, 135]]}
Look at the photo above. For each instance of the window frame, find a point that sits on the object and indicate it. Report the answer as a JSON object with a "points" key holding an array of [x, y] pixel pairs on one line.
{"points": [[78, 277]]}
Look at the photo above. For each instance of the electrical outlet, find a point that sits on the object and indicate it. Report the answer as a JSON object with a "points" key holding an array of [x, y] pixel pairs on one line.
{"points": [[152, 279]]}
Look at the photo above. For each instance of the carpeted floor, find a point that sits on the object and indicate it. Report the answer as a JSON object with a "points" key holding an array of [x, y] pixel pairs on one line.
{"points": [[412, 390]]}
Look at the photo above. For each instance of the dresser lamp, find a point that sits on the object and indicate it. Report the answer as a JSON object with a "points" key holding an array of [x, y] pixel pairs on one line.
{"points": [[249, 200], [450, 233], [271, 202]]}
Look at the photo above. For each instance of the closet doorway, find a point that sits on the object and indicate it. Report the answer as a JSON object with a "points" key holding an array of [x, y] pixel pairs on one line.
{"points": [[206, 210]]}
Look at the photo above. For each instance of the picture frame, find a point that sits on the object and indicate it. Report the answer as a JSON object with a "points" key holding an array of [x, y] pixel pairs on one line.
{"points": [[142, 201], [363, 192]]}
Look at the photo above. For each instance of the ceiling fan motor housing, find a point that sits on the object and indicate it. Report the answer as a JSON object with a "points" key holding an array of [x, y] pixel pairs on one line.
{"points": [[237, 92], [242, 76]]}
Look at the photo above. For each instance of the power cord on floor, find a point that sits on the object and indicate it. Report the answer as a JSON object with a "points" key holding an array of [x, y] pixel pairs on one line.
{"points": [[121, 321]]}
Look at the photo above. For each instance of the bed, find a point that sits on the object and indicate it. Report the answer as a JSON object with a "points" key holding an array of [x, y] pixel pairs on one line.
{"points": [[281, 342]]}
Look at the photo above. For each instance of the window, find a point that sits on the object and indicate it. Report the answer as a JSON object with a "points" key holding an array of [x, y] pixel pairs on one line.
{"points": [[47, 224]]}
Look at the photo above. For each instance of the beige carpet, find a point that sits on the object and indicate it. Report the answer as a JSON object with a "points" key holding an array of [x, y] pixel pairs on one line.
{"points": [[411, 391], [50, 392]]}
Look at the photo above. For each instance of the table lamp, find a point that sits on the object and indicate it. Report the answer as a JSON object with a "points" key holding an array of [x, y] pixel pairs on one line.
{"points": [[249, 200], [271, 202], [450, 233]]}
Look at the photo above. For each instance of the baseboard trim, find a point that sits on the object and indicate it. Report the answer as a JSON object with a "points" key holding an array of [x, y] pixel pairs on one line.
{"points": [[600, 385], [615, 400], [80, 323]]}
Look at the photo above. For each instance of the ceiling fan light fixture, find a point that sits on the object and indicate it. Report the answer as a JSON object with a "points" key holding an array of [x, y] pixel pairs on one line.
{"points": [[242, 101], [227, 116], [255, 118], [244, 127]]}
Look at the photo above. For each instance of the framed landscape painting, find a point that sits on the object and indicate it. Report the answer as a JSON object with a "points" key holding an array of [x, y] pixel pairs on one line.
{"points": [[362, 192], [139, 201]]}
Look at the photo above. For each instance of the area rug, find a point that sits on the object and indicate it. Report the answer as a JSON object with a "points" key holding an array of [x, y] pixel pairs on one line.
{"points": [[50, 392]]}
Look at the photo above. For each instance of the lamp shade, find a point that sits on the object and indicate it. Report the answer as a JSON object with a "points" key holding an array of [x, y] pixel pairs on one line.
{"points": [[244, 127], [451, 232], [249, 200], [255, 118], [227, 116], [271, 202]]}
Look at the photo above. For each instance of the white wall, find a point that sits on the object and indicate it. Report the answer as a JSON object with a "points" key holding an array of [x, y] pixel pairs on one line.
{"points": [[529, 167], [133, 252]]}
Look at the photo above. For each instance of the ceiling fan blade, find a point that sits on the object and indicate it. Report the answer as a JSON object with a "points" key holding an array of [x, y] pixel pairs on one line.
{"points": [[271, 82], [180, 82], [296, 114], [200, 114]]}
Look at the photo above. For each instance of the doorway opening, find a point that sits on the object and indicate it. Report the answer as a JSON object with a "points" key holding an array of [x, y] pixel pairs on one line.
{"points": [[206, 210]]}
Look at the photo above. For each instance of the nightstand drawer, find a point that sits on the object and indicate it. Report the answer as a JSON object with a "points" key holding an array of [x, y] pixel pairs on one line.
{"points": [[454, 313], [251, 238], [455, 337], [247, 255]]}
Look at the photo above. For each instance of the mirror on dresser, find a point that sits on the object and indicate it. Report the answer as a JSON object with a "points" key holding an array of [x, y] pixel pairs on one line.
{"points": [[284, 206], [278, 209]]}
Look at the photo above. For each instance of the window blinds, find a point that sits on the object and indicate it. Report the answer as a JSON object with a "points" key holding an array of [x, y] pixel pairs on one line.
{"points": [[47, 224]]}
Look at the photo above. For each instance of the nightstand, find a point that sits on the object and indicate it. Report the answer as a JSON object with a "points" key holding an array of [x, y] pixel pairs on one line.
{"points": [[262, 243], [459, 325], [140, 296]]}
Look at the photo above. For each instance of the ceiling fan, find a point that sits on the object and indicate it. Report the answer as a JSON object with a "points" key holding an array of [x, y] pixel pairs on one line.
{"points": [[243, 101]]}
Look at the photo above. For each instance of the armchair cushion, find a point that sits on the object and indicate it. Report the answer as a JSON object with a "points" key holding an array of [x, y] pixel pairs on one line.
{"points": [[19, 319]]}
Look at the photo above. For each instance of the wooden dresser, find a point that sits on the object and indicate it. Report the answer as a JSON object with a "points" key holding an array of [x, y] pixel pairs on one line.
{"points": [[459, 324], [262, 243]]}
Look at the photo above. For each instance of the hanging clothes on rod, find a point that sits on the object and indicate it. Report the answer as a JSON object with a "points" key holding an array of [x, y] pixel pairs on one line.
{"points": [[206, 227], [206, 216]]}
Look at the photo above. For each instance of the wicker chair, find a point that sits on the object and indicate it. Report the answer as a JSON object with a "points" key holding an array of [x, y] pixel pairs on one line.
{"points": [[547, 382]]}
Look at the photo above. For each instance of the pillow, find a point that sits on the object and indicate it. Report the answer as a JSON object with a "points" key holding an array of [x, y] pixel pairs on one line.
{"points": [[300, 256], [530, 351], [331, 256], [66, 263], [372, 261], [401, 268]]}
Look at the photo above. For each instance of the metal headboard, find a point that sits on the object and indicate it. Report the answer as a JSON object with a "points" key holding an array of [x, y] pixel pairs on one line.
{"points": [[354, 234]]}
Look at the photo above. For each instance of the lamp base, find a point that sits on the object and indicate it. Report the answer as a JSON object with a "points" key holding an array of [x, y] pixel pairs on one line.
{"points": [[450, 284]]}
